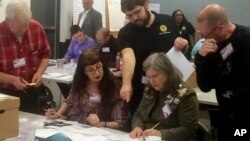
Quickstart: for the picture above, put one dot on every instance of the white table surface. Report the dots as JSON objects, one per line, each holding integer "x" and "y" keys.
{"x": 208, "y": 98}
{"x": 26, "y": 119}
{"x": 65, "y": 74}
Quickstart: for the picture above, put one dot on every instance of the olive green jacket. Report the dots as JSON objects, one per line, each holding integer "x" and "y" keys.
{"x": 180, "y": 125}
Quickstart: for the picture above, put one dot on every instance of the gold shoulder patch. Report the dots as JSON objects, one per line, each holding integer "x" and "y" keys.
{"x": 163, "y": 28}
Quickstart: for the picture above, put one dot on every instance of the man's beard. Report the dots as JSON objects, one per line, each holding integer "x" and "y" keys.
{"x": 145, "y": 21}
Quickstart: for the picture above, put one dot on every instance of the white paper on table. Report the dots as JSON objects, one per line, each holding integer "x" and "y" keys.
{"x": 180, "y": 61}
{"x": 128, "y": 138}
{"x": 54, "y": 75}
{"x": 95, "y": 138}
{"x": 75, "y": 136}
{"x": 95, "y": 130}
{"x": 45, "y": 133}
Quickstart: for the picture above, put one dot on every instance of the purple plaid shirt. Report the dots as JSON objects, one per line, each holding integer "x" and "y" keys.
{"x": 80, "y": 109}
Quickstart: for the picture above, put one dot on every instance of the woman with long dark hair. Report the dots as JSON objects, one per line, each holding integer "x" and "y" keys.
{"x": 185, "y": 28}
{"x": 94, "y": 96}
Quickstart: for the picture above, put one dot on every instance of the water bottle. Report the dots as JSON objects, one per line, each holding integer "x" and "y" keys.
{"x": 117, "y": 62}
{"x": 72, "y": 63}
{"x": 72, "y": 67}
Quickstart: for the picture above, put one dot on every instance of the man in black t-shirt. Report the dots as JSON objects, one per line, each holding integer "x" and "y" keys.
{"x": 223, "y": 63}
{"x": 146, "y": 32}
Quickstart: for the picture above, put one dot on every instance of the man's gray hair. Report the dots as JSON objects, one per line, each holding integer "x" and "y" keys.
{"x": 18, "y": 10}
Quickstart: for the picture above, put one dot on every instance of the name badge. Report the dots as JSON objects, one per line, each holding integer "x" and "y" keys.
{"x": 105, "y": 49}
{"x": 166, "y": 110}
{"x": 19, "y": 63}
{"x": 95, "y": 98}
{"x": 228, "y": 50}
{"x": 144, "y": 80}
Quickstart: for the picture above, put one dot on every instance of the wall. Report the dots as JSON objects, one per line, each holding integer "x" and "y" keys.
{"x": 65, "y": 19}
{"x": 237, "y": 9}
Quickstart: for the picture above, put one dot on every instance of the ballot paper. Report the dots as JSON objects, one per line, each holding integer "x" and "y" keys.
{"x": 180, "y": 61}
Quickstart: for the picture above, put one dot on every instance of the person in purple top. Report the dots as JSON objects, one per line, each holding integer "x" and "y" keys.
{"x": 78, "y": 44}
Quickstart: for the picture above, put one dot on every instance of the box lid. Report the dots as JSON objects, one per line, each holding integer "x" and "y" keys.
{"x": 8, "y": 102}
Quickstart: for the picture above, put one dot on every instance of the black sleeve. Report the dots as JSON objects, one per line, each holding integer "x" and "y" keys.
{"x": 205, "y": 72}
{"x": 124, "y": 38}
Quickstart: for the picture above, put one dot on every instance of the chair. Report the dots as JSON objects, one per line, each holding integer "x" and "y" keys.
{"x": 202, "y": 133}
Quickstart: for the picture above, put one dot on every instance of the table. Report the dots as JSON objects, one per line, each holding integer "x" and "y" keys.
{"x": 65, "y": 74}
{"x": 28, "y": 119}
{"x": 208, "y": 98}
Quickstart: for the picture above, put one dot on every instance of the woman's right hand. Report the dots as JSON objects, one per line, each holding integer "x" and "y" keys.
{"x": 50, "y": 113}
{"x": 136, "y": 133}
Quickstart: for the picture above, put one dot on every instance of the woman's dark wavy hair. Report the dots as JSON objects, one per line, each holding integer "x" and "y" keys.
{"x": 131, "y": 4}
{"x": 184, "y": 18}
{"x": 108, "y": 86}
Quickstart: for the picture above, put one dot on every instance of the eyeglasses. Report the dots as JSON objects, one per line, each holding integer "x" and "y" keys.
{"x": 210, "y": 33}
{"x": 92, "y": 70}
{"x": 134, "y": 13}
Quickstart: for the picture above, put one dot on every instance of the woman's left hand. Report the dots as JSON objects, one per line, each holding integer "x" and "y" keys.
{"x": 151, "y": 132}
{"x": 93, "y": 120}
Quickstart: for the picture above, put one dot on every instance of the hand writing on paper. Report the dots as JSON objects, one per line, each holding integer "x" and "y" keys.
{"x": 151, "y": 132}
{"x": 93, "y": 120}
{"x": 50, "y": 113}
{"x": 136, "y": 132}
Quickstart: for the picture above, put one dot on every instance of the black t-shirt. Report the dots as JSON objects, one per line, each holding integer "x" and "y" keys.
{"x": 186, "y": 30}
{"x": 231, "y": 73}
{"x": 159, "y": 37}
{"x": 109, "y": 51}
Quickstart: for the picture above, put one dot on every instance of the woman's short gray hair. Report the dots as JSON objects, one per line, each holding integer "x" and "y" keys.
{"x": 18, "y": 10}
{"x": 161, "y": 63}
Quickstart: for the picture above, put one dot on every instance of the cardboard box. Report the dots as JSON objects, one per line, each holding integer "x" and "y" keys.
{"x": 191, "y": 81}
{"x": 9, "y": 121}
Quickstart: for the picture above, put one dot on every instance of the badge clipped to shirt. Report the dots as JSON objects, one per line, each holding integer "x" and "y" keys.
{"x": 105, "y": 49}
{"x": 17, "y": 63}
{"x": 228, "y": 50}
{"x": 95, "y": 98}
{"x": 144, "y": 80}
{"x": 166, "y": 110}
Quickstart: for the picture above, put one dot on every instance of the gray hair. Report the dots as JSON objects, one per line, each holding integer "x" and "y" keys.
{"x": 18, "y": 10}
{"x": 161, "y": 63}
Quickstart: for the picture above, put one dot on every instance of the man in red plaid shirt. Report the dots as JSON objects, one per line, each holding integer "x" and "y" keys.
{"x": 24, "y": 51}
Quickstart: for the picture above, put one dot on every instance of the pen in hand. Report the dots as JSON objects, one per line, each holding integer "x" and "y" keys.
{"x": 54, "y": 113}
{"x": 151, "y": 128}
{"x": 155, "y": 125}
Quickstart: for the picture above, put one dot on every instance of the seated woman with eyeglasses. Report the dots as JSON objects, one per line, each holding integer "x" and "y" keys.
{"x": 94, "y": 97}
{"x": 169, "y": 108}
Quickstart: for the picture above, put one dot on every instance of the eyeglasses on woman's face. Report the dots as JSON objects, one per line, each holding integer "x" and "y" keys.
{"x": 92, "y": 69}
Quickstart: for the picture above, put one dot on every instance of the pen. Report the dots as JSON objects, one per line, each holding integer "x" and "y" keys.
{"x": 153, "y": 128}
{"x": 55, "y": 113}
{"x": 155, "y": 125}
